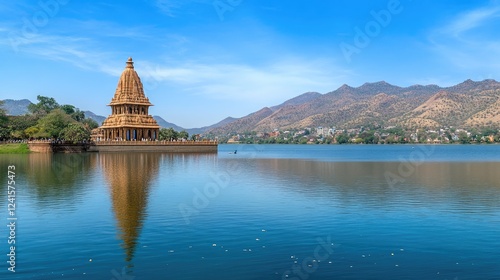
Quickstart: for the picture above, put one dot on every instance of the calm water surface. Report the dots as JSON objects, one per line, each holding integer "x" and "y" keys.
{"x": 266, "y": 212}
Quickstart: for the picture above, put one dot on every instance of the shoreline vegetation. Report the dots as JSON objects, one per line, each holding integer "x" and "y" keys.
{"x": 14, "y": 148}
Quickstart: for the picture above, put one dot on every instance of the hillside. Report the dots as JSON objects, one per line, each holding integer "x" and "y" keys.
{"x": 468, "y": 104}
{"x": 204, "y": 129}
{"x": 99, "y": 119}
{"x": 164, "y": 124}
{"x": 244, "y": 124}
{"x": 16, "y": 107}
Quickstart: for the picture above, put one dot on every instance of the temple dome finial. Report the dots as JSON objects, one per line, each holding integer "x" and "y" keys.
{"x": 130, "y": 63}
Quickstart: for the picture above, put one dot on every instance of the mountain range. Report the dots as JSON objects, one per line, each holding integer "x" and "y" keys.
{"x": 468, "y": 104}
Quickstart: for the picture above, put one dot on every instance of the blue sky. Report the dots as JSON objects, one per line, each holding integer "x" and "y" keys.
{"x": 201, "y": 61}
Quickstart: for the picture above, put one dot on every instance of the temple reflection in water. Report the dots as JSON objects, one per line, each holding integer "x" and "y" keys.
{"x": 129, "y": 177}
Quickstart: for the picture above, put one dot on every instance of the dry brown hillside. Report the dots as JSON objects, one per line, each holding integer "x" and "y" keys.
{"x": 465, "y": 105}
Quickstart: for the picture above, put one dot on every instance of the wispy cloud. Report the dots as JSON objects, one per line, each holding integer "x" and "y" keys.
{"x": 173, "y": 8}
{"x": 78, "y": 51}
{"x": 470, "y": 41}
{"x": 471, "y": 20}
{"x": 242, "y": 82}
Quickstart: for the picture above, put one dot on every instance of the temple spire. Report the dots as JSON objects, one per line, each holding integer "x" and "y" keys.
{"x": 130, "y": 63}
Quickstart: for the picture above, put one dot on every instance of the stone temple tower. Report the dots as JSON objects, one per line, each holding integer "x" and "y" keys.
{"x": 129, "y": 119}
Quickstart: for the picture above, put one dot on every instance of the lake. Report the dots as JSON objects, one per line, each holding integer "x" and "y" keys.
{"x": 266, "y": 212}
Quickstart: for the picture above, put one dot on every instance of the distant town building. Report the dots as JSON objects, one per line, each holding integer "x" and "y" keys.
{"x": 320, "y": 131}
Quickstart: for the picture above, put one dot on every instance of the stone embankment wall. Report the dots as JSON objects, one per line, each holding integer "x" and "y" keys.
{"x": 40, "y": 147}
{"x": 155, "y": 148}
{"x": 48, "y": 147}
{"x": 168, "y": 147}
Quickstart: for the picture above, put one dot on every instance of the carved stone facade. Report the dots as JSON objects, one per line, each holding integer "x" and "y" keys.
{"x": 129, "y": 119}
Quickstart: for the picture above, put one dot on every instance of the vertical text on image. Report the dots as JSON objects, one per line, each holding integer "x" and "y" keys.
{"x": 12, "y": 219}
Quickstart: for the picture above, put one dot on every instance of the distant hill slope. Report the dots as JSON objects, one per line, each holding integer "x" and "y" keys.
{"x": 244, "y": 124}
{"x": 467, "y": 104}
{"x": 204, "y": 129}
{"x": 164, "y": 124}
{"x": 99, "y": 119}
{"x": 301, "y": 99}
{"x": 16, "y": 107}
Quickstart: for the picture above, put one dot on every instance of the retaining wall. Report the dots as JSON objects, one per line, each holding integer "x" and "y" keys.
{"x": 155, "y": 148}
{"x": 168, "y": 147}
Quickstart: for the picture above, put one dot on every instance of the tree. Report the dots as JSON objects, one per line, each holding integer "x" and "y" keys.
{"x": 3, "y": 115}
{"x": 183, "y": 134}
{"x": 52, "y": 124}
{"x": 464, "y": 138}
{"x": 44, "y": 106}
{"x": 18, "y": 124}
{"x": 68, "y": 109}
{"x": 4, "y": 131}
{"x": 74, "y": 112}
{"x": 168, "y": 134}
{"x": 89, "y": 124}
{"x": 74, "y": 132}
{"x": 342, "y": 139}
{"x": 32, "y": 131}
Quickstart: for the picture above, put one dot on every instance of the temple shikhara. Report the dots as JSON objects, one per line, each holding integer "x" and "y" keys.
{"x": 129, "y": 119}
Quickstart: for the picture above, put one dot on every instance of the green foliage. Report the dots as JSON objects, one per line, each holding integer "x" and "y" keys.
{"x": 14, "y": 148}
{"x": 68, "y": 109}
{"x": 303, "y": 140}
{"x": 487, "y": 131}
{"x": 74, "y": 112}
{"x": 44, "y": 106}
{"x": 32, "y": 131}
{"x": 4, "y": 131}
{"x": 3, "y": 116}
{"x": 342, "y": 139}
{"x": 75, "y": 132}
{"x": 168, "y": 134}
{"x": 51, "y": 125}
{"x": 463, "y": 138}
{"x": 89, "y": 124}
{"x": 368, "y": 137}
{"x": 183, "y": 135}
{"x": 18, "y": 124}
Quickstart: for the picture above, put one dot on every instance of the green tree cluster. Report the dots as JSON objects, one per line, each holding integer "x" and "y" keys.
{"x": 47, "y": 119}
{"x": 169, "y": 134}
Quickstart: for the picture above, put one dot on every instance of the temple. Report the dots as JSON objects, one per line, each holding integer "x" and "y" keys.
{"x": 129, "y": 119}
